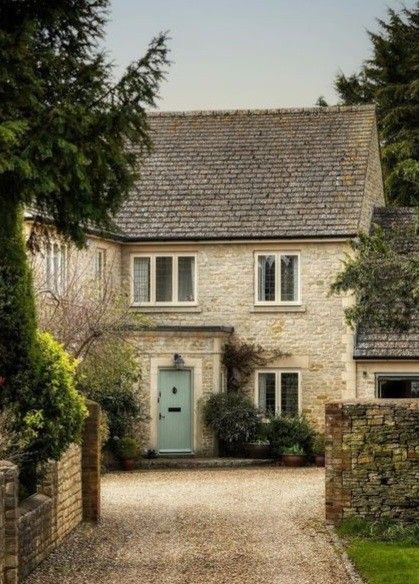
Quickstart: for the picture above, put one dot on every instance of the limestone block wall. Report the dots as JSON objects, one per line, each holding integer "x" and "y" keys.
{"x": 48, "y": 516}
{"x": 372, "y": 456}
{"x": 314, "y": 334}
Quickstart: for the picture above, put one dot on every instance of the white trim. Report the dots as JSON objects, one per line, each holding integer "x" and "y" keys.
{"x": 277, "y": 254}
{"x": 278, "y": 387}
{"x": 175, "y": 273}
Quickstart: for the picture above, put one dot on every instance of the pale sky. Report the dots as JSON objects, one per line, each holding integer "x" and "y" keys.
{"x": 247, "y": 53}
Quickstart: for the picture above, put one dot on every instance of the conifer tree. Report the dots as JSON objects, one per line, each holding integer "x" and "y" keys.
{"x": 64, "y": 128}
{"x": 390, "y": 79}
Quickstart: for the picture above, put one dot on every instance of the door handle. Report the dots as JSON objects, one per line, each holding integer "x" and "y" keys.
{"x": 161, "y": 417}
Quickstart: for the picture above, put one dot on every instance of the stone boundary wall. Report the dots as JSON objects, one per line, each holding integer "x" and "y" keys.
{"x": 372, "y": 455}
{"x": 29, "y": 531}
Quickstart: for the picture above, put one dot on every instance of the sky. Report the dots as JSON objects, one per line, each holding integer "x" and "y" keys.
{"x": 232, "y": 54}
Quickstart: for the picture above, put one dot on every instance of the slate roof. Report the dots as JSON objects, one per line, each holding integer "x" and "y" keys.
{"x": 293, "y": 173}
{"x": 380, "y": 344}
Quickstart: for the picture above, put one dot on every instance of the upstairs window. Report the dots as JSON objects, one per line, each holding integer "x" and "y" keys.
{"x": 164, "y": 279}
{"x": 278, "y": 392}
{"x": 277, "y": 278}
{"x": 56, "y": 267}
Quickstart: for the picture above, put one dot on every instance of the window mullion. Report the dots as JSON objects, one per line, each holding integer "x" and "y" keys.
{"x": 153, "y": 279}
{"x": 174, "y": 279}
{"x": 278, "y": 278}
{"x": 278, "y": 393}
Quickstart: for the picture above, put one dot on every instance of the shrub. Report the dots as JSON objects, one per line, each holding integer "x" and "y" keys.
{"x": 126, "y": 448}
{"x": 294, "y": 450}
{"x": 232, "y": 416}
{"x": 109, "y": 375}
{"x": 319, "y": 444}
{"x": 53, "y": 416}
{"x": 285, "y": 432}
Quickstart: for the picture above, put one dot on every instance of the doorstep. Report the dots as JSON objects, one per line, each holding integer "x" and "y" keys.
{"x": 195, "y": 462}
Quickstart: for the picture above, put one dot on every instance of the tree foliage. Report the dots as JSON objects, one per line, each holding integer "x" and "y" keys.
{"x": 64, "y": 121}
{"x": 384, "y": 277}
{"x": 389, "y": 78}
{"x": 71, "y": 138}
{"x": 109, "y": 375}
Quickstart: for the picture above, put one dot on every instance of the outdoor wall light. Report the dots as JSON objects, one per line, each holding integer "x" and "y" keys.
{"x": 178, "y": 361}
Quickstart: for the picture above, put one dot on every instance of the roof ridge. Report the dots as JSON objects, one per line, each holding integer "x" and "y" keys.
{"x": 266, "y": 111}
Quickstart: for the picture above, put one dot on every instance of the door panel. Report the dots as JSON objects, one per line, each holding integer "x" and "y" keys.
{"x": 175, "y": 410}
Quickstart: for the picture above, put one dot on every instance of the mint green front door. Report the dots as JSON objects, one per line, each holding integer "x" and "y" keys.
{"x": 175, "y": 410}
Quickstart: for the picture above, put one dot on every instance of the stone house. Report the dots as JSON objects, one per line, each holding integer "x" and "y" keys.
{"x": 235, "y": 230}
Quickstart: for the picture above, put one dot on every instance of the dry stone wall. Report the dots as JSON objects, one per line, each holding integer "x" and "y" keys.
{"x": 372, "y": 460}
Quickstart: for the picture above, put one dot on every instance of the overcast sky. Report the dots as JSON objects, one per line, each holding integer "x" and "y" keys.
{"x": 230, "y": 54}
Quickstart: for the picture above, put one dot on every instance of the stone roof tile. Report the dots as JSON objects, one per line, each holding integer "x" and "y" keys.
{"x": 252, "y": 174}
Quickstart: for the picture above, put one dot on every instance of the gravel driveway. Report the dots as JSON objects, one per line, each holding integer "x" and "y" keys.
{"x": 255, "y": 525}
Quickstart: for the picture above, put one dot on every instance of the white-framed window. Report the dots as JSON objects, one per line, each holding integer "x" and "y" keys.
{"x": 100, "y": 267}
{"x": 278, "y": 391}
{"x": 56, "y": 267}
{"x": 277, "y": 278}
{"x": 164, "y": 279}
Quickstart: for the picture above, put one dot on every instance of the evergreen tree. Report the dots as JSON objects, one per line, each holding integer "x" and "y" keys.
{"x": 64, "y": 129}
{"x": 390, "y": 80}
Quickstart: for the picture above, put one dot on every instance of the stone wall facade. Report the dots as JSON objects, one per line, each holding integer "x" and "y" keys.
{"x": 313, "y": 335}
{"x": 372, "y": 456}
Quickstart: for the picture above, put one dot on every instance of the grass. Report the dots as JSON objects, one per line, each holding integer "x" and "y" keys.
{"x": 385, "y": 563}
{"x": 383, "y": 552}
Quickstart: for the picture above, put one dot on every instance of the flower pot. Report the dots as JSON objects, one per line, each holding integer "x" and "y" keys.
{"x": 128, "y": 463}
{"x": 319, "y": 459}
{"x": 293, "y": 460}
{"x": 258, "y": 451}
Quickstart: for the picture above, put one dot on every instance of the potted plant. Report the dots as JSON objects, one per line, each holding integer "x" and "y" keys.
{"x": 319, "y": 448}
{"x": 259, "y": 448}
{"x": 127, "y": 450}
{"x": 293, "y": 456}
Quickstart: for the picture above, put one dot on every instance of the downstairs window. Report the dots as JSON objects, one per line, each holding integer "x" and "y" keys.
{"x": 278, "y": 392}
{"x": 397, "y": 386}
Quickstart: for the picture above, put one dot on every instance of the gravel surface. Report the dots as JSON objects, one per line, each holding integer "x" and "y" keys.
{"x": 250, "y": 525}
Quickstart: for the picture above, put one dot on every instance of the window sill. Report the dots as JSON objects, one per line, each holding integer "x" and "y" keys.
{"x": 167, "y": 309}
{"x": 282, "y": 308}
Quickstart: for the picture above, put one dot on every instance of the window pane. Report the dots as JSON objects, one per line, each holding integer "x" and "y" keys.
{"x": 141, "y": 278}
{"x": 266, "y": 278}
{"x": 289, "y": 394}
{"x": 164, "y": 279}
{"x": 267, "y": 399}
{"x": 289, "y": 278}
{"x": 398, "y": 387}
{"x": 186, "y": 279}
